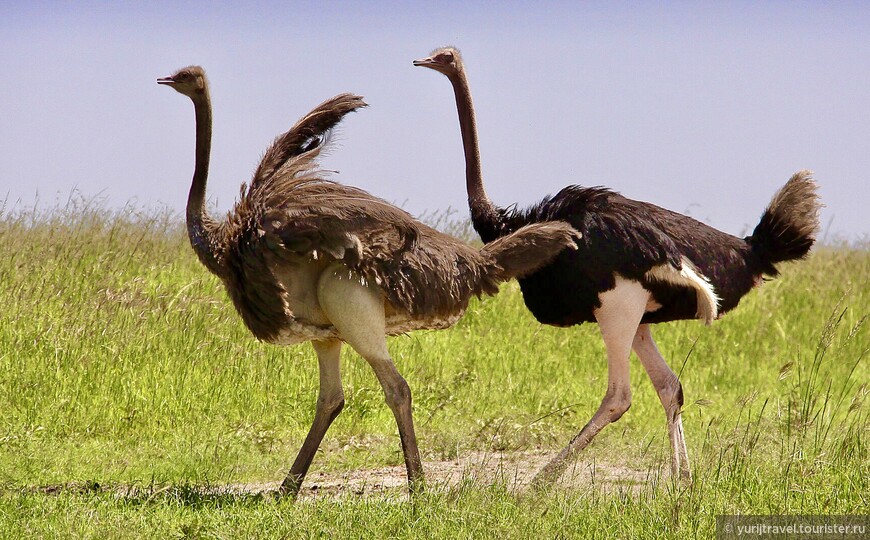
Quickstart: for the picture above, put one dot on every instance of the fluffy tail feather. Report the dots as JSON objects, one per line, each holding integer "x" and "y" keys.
{"x": 788, "y": 227}
{"x": 528, "y": 249}
{"x": 309, "y": 133}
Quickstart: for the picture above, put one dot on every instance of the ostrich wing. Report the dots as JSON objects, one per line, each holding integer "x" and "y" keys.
{"x": 645, "y": 242}
{"x": 304, "y": 217}
{"x": 307, "y": 135}
{"x": 308, "y": 213}
{"x": 314, "y": 215}
{"x": 418, "y": 269}
{"x": 293, "y": 211}
{"x": 618, "y": 233}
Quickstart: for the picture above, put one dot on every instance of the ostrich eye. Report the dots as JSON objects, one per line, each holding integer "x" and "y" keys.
{"x": 447, "y": 57}
{"x": 183, "y": 77}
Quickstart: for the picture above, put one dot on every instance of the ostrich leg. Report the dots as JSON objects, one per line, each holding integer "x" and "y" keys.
{"x": 670, "y": 393}
{"x": 357, "y": 312}
{"x": 330, "y": 401}
{"x": 618, "y": 318}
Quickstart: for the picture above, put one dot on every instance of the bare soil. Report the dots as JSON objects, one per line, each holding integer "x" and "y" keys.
{"x": 514, "y": 470}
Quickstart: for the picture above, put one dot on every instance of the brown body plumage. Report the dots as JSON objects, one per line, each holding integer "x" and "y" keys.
{"x": 308, "y": 259}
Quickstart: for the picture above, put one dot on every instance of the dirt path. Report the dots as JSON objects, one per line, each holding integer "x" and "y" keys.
{"x": 515, "y": 470}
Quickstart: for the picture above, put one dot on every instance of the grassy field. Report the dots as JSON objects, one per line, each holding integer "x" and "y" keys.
{"x": 133, "y": 404}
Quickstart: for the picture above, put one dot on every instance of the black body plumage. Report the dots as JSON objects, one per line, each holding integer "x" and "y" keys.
{"x": 627, "y": 237}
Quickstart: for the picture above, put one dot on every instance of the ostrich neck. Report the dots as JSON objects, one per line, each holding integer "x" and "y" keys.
{"x": 201, "y": 229}
{"x": 483, "y": 212}
{"x": 196, "y": 197}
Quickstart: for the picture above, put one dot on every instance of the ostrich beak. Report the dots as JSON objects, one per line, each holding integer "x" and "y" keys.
{"x": 425, "y": 62}
{"x": 166, "y": 80}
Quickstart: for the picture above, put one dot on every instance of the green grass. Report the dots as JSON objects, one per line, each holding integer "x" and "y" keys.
{"x": 129, "y": 387}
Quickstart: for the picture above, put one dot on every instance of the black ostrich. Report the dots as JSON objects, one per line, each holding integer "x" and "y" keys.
{"x": 636, "y": 264}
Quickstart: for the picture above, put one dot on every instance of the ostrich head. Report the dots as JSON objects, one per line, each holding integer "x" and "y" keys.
{"x": 188, "y": 81}
{"x": 446, "y": 60}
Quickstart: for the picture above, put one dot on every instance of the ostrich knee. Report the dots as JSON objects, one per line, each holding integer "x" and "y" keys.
{"x": 330, "y": 405}
{"x": 677, "y": 398}
{"x": 671, "y": 396}
{"x": 397, "y": 394}
{"x": 616, "y": 403}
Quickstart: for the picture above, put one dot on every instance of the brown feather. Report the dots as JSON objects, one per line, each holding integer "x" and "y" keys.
{"x": 304, "y": 135}
{"x": 419, "y": 270}
{"x": 280, "y": 250}
{"x": 291, "y": 214}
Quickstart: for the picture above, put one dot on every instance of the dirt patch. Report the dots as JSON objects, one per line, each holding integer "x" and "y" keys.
{"x": 514, "y": 470}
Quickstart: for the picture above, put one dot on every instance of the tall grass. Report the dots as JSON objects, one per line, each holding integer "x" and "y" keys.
{"x": 124, "y": 370}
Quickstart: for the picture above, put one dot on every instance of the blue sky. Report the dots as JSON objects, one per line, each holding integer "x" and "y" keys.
{"x": 703, "y": 108}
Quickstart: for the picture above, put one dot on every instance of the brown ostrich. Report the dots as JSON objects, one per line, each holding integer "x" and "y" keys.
{"x": 636, "y": 264}
{"x": 308, "y": 259}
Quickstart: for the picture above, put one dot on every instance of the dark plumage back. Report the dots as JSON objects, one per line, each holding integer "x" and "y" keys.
{"x": 290, "y": 212}
{"x": 627, "y": 237}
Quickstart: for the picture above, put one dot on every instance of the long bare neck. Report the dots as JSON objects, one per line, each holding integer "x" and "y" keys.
{"x": 484, "y": 214}
{"x": 201, "y": 228}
